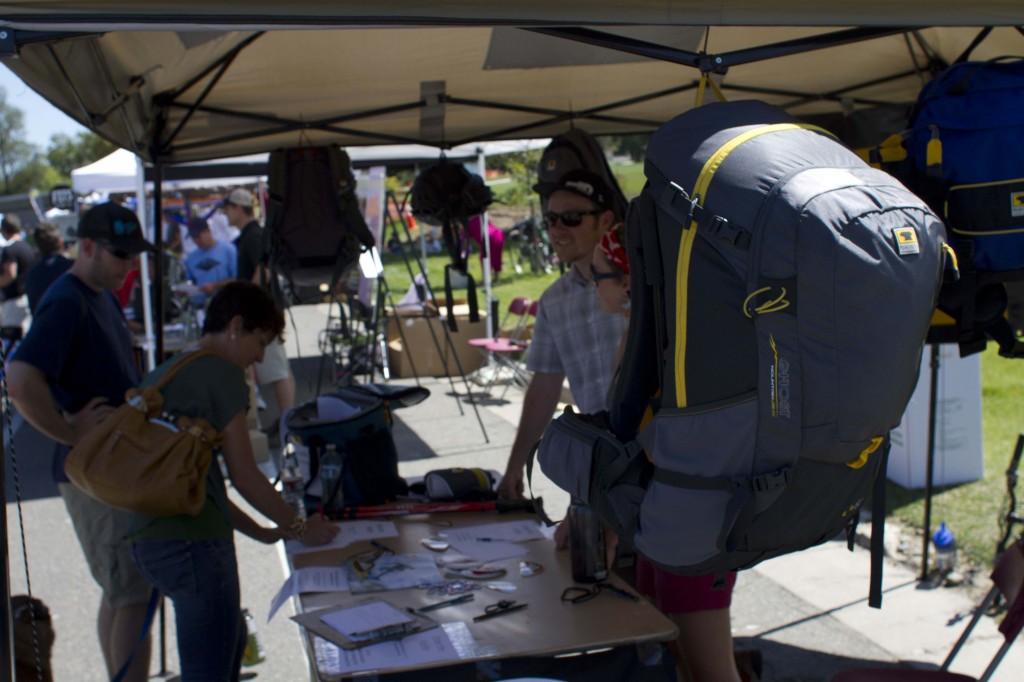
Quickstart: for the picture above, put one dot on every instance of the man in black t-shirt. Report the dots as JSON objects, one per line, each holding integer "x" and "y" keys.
{"x": 70, "y": 372}
{"x": 17, "y": 259}
{"x": 275, "y": 368}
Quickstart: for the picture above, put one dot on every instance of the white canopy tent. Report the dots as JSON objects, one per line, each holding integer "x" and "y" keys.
{"x": 189, "y": 80}
{"x": 116, "y": 172}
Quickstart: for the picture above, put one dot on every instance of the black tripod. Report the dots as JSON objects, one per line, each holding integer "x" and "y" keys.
{"x": 427, "y": 303}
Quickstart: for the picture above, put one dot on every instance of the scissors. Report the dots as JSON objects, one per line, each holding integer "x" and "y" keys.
{"x": 499, "y": 609}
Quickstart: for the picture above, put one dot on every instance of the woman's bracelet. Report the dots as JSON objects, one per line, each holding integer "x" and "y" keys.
{"x": 297, "y": 528}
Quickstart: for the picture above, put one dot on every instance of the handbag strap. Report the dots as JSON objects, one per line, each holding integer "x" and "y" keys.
{"x": 179, "y": 365}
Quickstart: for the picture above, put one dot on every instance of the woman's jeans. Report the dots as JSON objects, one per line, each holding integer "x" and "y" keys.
{"x": 201, "y": 579}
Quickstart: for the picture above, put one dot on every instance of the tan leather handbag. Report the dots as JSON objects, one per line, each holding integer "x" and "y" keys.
{"x": 139, "y": 461}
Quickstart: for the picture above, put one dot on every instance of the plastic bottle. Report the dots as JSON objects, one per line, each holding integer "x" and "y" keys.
{"x": 293, "y": 486}
{"x": 586, "y": 544}
{"x": 254, "y": 651}
{"x": 331, "y": 466}
{"x": 945, "y": 549}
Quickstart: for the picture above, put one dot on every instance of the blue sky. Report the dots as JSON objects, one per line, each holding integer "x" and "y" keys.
{"x": 42, "y": 119}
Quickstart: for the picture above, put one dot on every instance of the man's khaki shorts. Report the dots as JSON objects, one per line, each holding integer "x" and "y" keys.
{"x": 274, "y": 367}
{"x": 101, "y": 531}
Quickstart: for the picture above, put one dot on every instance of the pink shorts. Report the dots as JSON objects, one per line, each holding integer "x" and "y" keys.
{"x": 673, "y": 593}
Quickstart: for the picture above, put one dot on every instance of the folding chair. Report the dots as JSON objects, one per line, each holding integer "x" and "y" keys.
{"x": 506, "y": 349}
{"x": 1008, "y": 580}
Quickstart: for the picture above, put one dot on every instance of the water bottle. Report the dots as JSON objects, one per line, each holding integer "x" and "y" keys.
{"x": 254, "y": 651}
{"x": 586, "y": 544}
{"x": 293, "y": 487}
{"x": 331, "y": 494}
{"x": 945, "y": 549}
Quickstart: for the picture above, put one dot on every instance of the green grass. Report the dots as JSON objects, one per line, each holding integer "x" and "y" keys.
{"x": 973, "y": 510}
{"x": 631, "y": 178}
{"x": 508, "y": 286}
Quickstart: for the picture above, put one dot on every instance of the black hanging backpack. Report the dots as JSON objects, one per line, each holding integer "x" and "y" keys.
{"x": 578, "y": 149}
{"x": 315, "y": 231}
{"x": 447, "y": 195}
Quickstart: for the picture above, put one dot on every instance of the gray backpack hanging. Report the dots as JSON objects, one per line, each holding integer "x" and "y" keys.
{"x": 782, "y": 291}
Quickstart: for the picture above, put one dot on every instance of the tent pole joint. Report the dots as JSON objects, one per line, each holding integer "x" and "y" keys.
{"x": 712, "y": 63}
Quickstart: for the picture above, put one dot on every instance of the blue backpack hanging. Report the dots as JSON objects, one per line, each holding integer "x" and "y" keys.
{"x": 963, "y": 157}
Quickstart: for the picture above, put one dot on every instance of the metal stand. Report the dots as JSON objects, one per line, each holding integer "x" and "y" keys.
{"x": 431, "y": 311}
{"x": 933, "y": 399}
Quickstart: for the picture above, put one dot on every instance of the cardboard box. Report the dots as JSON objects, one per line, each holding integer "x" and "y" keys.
{"x": 959, "y": 456}
{"x": 416, "y": 328}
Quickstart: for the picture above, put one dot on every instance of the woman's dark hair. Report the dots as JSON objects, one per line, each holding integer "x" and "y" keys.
{"x": 253, "y": 303}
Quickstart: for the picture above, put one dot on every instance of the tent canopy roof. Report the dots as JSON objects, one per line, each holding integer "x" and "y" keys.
{"x": 270, "y": 14}
{"x": 185, "y": 80}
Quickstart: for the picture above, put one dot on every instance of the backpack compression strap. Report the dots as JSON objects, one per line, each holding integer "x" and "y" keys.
{"x": 688, "y": 209}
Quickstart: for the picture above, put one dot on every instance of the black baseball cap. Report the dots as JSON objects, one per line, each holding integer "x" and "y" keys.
{"x": 582, "y": 182}
{"x": 113, "y": 225}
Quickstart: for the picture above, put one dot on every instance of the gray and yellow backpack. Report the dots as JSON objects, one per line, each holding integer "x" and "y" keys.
{"x": 781, "y": 294}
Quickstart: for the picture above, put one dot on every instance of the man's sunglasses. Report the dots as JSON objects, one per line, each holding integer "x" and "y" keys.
{"x": 568, "y": 218}
{"x": 117, "y": 253}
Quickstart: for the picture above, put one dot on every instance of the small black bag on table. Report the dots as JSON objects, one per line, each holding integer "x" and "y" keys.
{"x": 357, "y": 421}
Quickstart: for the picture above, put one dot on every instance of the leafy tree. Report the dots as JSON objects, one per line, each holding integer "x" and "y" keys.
{"x": 16, "y": 152}
{"x": 36, "y": 174}
{"x": 522, "y": 169}
{"x": 634, "y": 146}
{"x": 67, "y": 153}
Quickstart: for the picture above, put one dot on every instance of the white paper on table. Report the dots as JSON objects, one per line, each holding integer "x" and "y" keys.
{"x": 351, "y": 531}
{"x": 309, "y": 579}
{"x": 511, "y": 531}
{"x": 355, "y": 622}
{"x": 493, "y": 541}
{"x": 486, "y": 551}
{"x": 428, "y": 646}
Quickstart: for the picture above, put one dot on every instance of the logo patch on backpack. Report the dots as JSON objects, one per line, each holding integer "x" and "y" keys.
{"x": 906, "y": 241}
{"x": 1017, "y": 204}
{"x": 778, "y": 380}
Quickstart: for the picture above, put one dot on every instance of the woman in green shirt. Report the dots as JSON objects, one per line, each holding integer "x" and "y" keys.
{"x": 191, "y": 559}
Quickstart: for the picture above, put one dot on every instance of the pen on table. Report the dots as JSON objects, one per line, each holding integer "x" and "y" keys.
{"x": 448, "y": 602}
{"x": 499, "y": 612}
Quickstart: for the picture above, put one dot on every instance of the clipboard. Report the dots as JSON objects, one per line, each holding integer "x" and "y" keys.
{"x": 313, "y": 621}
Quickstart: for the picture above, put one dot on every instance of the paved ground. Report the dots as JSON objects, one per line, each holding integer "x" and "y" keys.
{"x": 807, "y": 612}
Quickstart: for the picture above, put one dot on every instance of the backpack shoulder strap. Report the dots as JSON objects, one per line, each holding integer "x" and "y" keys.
{"x": 639, "y": 375}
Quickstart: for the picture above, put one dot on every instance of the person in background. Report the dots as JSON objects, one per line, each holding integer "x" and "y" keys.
{"x": 252, "y": 260}
{"x": 70, "y": 372}
{"x": 704, "y": 647}
{"x": 53, "y": 262}
{"x": 212, "y": 265}
{"x": 191, "y": 559}
{"x": 17, "y": 259}
{"x": 573, "y": 336}
{"x": 222, "y": 230}
{"x": 497, "y": 242}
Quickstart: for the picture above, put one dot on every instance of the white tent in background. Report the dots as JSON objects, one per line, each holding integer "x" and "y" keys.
{"x": 116, "y": 171}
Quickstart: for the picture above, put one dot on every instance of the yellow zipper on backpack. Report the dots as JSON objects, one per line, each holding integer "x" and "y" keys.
{"x": 699, "y": 195}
